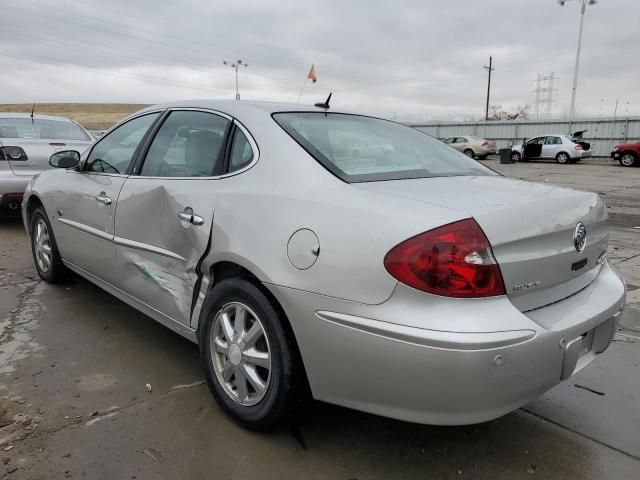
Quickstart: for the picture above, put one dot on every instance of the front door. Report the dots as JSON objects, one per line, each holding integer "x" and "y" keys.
{"x": 165, "y": 211}
{"x": 533, "y": 148}
{"x": 84, "y": 211}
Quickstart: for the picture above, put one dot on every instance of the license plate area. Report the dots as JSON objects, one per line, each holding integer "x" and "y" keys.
{"x": 581, "y": 350}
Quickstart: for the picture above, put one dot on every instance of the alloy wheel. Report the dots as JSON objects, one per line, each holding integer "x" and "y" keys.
{"x": 628, "y": 160}
{"x": 42, "y": 245}
{"x": 241, "y": 353}
{"x": 563, "y": 158}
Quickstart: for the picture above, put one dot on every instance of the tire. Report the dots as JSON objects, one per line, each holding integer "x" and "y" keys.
{"x": 283, "y": 381}
{"x": 563, "y": 158}
{"x": 516, "y": 157}
{"x": 44, "y": 249}
{"x": 482, "y": 157}
{"x": 469, "y": 153}
{"x": 628, "y": 159}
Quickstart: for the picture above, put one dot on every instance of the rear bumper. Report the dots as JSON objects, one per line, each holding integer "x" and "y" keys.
{"x": 584, "y": 154}
{"x": 395, "y": 360}
{"x": 11, "y": 191}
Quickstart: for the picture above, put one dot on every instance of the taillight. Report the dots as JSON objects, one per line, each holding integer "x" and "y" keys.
{"x": 13, "y": 153}
{"x": 454, "y": 261}
{"x": 485, "y": 143}
{"x": 578, "y": 146}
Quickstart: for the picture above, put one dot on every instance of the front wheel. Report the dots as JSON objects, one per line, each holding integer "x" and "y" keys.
{"x": 628, "y": 160}
{"x": 45, "y": 250}
{"x": 249, "y": 356}
{"x": 563, "y": 158}
{"x": 469, "y": 153}
{"x": 516, "y": 157}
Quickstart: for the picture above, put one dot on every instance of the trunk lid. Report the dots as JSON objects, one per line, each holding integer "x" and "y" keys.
{"x": 38, "y": 152}
{"x": 531, "y": 227}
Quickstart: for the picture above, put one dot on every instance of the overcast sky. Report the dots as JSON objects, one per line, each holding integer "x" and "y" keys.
{"x": 408, "y": 59}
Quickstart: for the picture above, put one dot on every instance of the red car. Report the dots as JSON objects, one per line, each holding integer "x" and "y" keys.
{"x": 628, "y": 154}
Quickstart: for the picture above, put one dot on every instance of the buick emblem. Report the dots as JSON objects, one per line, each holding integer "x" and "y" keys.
{"x": 580, "y": 237}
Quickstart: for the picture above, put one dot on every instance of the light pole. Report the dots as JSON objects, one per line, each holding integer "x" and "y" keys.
{"x": 583, "y": 8}
{"x": 235, "y": 66}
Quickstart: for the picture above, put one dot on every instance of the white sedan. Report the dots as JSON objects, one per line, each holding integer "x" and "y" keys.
{"x": 561, "y": 148}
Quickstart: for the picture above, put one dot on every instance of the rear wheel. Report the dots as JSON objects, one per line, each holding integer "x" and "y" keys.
{"x": 563, "y": 158}
{"x": 248, "y": 355}
{"x": 628, "y": 160}
{"x": 482, "y": 157}
{"x": 469, "y": 153}
{"x": 45, "y": 250}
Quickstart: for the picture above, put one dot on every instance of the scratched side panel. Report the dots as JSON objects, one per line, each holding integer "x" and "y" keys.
{"x": 157, "y": 254}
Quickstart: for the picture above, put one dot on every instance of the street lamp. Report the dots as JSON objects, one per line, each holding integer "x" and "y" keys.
{"x": 583, "y": 8}
{"x": 235, "y": 66}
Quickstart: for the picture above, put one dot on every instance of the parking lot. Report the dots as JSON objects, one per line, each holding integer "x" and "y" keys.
{"x": 75, "y": 364}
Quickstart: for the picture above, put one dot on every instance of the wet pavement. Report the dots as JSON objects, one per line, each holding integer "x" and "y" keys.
{"x": 74, "y": 364}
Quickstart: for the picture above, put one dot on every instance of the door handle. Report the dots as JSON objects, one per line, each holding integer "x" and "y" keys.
{"x": 103, "y": 199}
{"x": 187, "y": 215}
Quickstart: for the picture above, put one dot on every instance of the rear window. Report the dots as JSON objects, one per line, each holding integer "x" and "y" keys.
{"x": 365, "y": 149}
{"x": 41, "y": 129}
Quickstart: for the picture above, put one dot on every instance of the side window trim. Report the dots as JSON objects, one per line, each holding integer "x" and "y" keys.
{"x": 87, "y": 153}
{"x": 142, "y": 155}
{"x": 254, "y": 147}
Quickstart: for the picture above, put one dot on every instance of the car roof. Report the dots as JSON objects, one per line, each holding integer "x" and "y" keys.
{"x": 237, "y": 108}
{"x": 35, "y": 116}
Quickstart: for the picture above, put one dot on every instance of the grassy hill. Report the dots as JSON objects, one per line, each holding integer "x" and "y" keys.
{"x": 93, "y": 116}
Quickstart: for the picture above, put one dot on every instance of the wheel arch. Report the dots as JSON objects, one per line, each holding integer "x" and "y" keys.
{"x": 33, "y": 202}
{"x": 226, "y": 269}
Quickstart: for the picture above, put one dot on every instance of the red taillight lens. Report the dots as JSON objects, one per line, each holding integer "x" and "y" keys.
{"x": 485, "y": 143}
{"x": 454, "y": 261}
{"x": 578, "y": 146}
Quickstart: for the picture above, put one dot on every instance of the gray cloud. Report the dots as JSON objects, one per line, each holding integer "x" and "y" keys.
{"x": 415, "y": 60}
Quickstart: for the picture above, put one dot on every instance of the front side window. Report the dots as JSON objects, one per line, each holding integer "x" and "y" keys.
{"x": 114, "y": 152}
{"x": 536, "y": 141}
{"x": 362, "y": 149}
{"x": 188, "y": 144}
{"x": 44, "y": 129}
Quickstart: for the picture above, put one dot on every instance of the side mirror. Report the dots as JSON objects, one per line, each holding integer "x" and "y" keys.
{"x": 65, "y": 159}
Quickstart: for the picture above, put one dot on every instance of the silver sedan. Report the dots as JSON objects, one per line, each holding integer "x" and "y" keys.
{"x": 561, "y": 148}
{"x": 26, "y": 143}
{"x": 408, "y": 281}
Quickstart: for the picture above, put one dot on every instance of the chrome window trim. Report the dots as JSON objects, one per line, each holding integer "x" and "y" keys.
{"x": 87, "y": 153}
{"x": 245, "y": 131}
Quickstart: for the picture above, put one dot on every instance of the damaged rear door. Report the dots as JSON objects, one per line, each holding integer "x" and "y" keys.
{"x": 166, "y": 208}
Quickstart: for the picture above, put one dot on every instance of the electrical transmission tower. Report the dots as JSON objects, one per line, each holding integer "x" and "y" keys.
{"x": 544, "y": 93}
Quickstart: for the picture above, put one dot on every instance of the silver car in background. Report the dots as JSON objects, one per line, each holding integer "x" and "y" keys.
{"x": 26, "y": 143}
{"x": 561, "y": 148}
{"x": 409, "y": 281}
{"x": 472, "y": 146}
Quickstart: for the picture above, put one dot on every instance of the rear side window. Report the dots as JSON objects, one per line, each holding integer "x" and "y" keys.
{"x": 362, "y": 149}
{"x": 241, "y": 152}
{"x": 188, "y": 144}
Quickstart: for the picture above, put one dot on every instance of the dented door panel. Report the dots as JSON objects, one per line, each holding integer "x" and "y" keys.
{"x": 157, "y": 252}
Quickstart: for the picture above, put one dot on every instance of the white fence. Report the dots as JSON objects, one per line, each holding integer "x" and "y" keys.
{"x": 602, "y": 133}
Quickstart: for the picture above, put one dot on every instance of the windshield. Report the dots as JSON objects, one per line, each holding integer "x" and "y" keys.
{"x": 41, "y": 129}
{"x": 365, "y": 149}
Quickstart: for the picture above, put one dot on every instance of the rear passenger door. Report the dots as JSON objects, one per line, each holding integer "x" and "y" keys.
{"x": 166, "y": 210}
{"x": 552, "y": 146}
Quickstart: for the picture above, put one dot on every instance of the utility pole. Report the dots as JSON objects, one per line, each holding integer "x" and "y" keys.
{"x": 489, "y": 69}
{"x": 583, "y": 8}
{"x": 235, "y": 66}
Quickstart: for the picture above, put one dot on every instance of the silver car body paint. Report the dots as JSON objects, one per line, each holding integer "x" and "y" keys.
{"x": 367, "y": 342}
{"x": 550, "y": 151}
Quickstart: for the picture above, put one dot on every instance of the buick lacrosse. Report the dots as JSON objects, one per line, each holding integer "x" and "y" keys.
{"x": 407, "y": 280}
